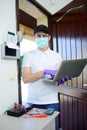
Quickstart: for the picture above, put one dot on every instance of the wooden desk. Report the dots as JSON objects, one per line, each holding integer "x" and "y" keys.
{"x": 22, "y": 123}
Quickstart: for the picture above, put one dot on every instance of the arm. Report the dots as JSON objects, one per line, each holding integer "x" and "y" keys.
{"x": 31, "y": 77}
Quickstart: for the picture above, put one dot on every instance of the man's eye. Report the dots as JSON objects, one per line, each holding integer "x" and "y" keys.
{"x": 43, "y": 35}
{"x": 39, "y": 35}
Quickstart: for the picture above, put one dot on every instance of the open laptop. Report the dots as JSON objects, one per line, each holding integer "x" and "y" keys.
{"x": 71, "y": 68}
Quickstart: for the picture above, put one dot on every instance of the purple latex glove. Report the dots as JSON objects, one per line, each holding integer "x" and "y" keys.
{"x": 50, "y": 72}
{"x": 63, "y": 80}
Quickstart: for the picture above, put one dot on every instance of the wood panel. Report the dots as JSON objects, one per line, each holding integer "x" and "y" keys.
{"x": 85, "y": 115}
{"x": 70, "y": 38}
{"x": 73, "y": 113}
{"x": 26, "y": 19}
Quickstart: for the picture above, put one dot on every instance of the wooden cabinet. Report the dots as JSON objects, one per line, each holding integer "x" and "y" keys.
{"x": 73, "y": 109}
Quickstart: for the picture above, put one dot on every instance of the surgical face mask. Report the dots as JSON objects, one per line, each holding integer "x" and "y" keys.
{"x": 41, "y": 42}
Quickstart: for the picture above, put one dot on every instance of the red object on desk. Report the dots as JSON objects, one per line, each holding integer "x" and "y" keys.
{"x": 36, "y": 115}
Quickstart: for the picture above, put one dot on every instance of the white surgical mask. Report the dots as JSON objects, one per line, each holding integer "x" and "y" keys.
{"x": 41, "y": 42}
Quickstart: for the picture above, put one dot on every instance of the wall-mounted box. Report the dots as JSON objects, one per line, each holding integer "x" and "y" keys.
{"x": 9, "y": 53}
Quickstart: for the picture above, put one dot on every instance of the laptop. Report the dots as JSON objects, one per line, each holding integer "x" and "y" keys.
{"x": 70, "y": 68}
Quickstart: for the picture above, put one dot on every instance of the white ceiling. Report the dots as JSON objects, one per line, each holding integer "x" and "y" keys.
{"x": 53, "y": 6}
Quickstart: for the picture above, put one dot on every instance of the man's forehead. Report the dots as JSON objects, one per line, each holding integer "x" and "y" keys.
{"x": 41, "y": 32}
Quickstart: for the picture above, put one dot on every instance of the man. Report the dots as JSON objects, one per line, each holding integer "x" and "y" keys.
{"x": 37, "y": 64}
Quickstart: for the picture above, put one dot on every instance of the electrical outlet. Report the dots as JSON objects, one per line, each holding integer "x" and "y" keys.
{"x": 12, "y": 76}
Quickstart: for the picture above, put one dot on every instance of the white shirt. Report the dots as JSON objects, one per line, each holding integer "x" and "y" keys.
{"x": 40, "y": 91}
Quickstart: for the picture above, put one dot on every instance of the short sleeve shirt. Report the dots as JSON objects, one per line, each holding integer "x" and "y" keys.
{"x": 40, "y": 91}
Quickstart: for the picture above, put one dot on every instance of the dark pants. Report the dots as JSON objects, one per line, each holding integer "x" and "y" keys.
{"x": 55, "y": 106}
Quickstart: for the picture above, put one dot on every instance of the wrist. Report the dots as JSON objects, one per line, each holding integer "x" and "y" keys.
{"x": 41, "y": 74}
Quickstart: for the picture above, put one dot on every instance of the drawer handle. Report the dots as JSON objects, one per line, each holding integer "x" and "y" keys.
{"x": 85, "y": 85}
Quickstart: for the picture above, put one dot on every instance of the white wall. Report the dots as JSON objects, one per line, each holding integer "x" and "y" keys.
{"x": 8, "y": 68}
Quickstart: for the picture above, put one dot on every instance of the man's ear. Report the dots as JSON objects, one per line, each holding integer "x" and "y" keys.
{"x": 49, "y": 37}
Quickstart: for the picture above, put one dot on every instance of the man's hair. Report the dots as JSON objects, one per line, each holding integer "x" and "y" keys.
{"x": 41, "y": 28}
